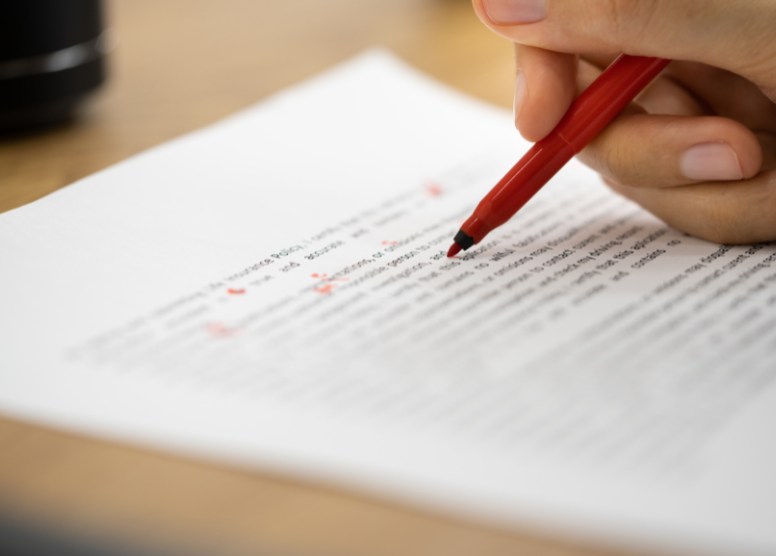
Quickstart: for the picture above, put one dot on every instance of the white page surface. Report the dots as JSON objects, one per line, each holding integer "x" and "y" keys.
{"x": 273, "y": 291}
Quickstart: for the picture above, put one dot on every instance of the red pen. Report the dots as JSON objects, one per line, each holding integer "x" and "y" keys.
{"x": 587, "y": 116}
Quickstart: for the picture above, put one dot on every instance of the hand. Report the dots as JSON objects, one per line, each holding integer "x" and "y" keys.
{"x": 698, "y": 147}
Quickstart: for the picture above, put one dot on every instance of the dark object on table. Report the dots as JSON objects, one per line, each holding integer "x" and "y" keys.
{"x": 51, "y": 57}
{"x": 21, "y": 537}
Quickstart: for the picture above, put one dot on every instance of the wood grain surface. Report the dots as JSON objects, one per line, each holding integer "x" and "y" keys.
{"x": 181, "y": 64}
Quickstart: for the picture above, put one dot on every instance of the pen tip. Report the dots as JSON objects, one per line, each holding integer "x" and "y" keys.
{"x": 454, "y": 250}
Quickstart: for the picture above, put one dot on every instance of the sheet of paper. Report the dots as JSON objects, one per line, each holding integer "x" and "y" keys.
{"x": 273, "y": 291}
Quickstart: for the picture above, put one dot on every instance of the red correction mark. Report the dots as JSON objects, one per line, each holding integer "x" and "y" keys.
{"x": 434, "y": 189}
{"x": 326, "y": 285}
{"x": 220, "y": 330}
{"x": 325, "y": 278}
{"x": 232, "y": 291}
{"x": 387, "y": 242}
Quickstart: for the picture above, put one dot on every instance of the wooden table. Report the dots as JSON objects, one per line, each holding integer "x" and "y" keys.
{"x": 181, "y": 64}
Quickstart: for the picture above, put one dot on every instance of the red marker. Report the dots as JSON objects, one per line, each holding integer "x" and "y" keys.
{"x": 587, "y": 116}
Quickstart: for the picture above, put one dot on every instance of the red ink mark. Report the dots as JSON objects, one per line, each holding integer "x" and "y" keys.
{"x": 220, "y": 330}
{"x": 232, "y": 291}
{"x": 434, "y": 189}
{"x": 325, "y": 289}
{"x": 325, "y": 278}
{"x": 386, "y": 242}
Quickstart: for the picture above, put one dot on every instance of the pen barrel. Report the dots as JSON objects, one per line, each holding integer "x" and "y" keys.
{"x": 516, "y": 188}
{"x": 606, "y": 97}
{"x": 587, "y": 116}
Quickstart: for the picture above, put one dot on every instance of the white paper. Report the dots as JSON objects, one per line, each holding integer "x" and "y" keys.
{"x": 273, "y": 291}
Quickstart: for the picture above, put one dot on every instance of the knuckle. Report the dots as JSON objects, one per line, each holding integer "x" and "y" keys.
{"x": 735, "y": 213}
{"x": 726, "y": 221}
{"x": 614, "y": 157}
{"x": 719, "y": 232}
{"x": 598, "y": 158}
{"x": 626, "y": 21}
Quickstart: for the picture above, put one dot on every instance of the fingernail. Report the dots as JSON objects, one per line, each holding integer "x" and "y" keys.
{"x": 519, "y": 95}
{"x": 515, "y": 11}
{"x": 711, "y": 161}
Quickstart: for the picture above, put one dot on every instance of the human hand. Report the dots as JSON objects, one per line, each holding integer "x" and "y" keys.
{"x": 698, "y": 147}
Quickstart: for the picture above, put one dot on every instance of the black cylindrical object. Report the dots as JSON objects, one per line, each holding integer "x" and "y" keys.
{"x": 51, "y": 57}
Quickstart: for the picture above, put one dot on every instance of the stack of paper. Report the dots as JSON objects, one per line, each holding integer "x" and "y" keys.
{"x": 273, "y": 291}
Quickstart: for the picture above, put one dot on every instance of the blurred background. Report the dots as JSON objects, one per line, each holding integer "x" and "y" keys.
{"x": 172, "y": 66}
{"x": 180, "y": 64}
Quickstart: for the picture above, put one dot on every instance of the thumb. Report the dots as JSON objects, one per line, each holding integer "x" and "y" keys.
{"x": 734, "y": 35}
